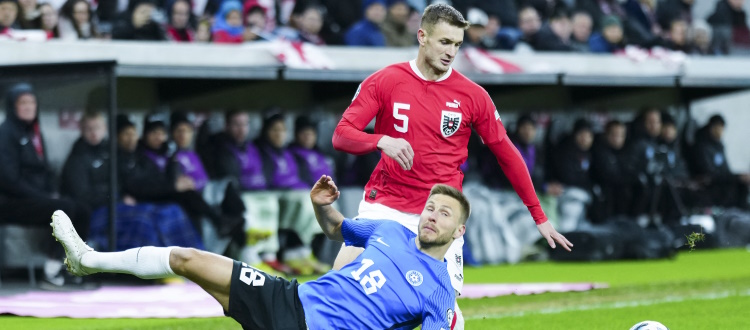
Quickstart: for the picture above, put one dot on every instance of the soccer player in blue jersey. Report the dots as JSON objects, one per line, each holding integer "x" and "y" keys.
{"x": 399, "y": 282}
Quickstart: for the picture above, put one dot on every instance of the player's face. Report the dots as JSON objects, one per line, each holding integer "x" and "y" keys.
{"x": 439, "y": 223}
{"x": 441, "y": 45}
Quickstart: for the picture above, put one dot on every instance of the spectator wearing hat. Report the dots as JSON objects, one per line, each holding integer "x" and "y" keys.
{"x": 581, "y": 35}
{"x": 27, "y": 189}
{"x": 611, "y": 39}
{"x": 367, "y": 31}
{"x": 702, "y": 36}
{"x": 227, "y": 26}
{"x": 138, "y": 23}
{"x": 477, "y": 32}
{"x": 311, "y": 161}
{"x": 256, "y": 23}
{"x": 555, "y": 36}
{"x": 394, "y": 27}
{"x": 8, "y": 15}
{"x": 667, "y": 11}
{"x": 181, "y": 20}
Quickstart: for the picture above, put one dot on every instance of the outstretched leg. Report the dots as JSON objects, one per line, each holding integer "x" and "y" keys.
{"x": 346, "y": 255}
{"x": 212, "y": 272}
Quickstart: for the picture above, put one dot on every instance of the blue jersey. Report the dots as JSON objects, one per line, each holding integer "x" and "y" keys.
{"x": 391, "y": 285}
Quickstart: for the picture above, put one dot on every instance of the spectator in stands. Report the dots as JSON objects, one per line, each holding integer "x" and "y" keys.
{"x": 27, "y": 194}
{"x": 529, "y": 24}
{"x": 678, "y": 37}
{"x": 203, "y": 31}
{"x": 305, "y": 24}
{"x": 278, "y": 162}
{"x": 572, "y": 157}
{"x": 227, "y": 26}
{"x": 667, "y": 11}
{"x": 729, "y": 22}
{"x": 49, "y": 21}
{"x": 600, "y": 9}
{"x": 555, "y": 36}
{"x": 476, "y": 34}
{"x": 678, "y": 188}
{"x": 78, "y": 20}
{"x": 611, "y": 171}
{"x": 255, "y": 23}
{"x": 8, "y": 14}
{"x": 643, "y": 146}
{"x": 611, "y": 39}
{"x": 180, "y": 19}
{"x": 642, "y": 17}
{"x": 29, "y": 17}
{"x": 703, "y": 38}
{"x": 85, "y": 175}
{"x": 394, "y": 28}
{"x": 311, "y": 161}
{"x": 186, "y": 162}
{"x": 710, "y": 166}
{"x": 581, "y": 34}
{"x": 234, "y": 155}
{"x": 340, "y": 16}
{"x": 367, "y": 31}
{"x": 138, "y": 23}
{"x": 506, "y": 11}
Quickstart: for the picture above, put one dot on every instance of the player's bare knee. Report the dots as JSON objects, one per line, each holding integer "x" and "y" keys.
{"x": 179, "y": 258}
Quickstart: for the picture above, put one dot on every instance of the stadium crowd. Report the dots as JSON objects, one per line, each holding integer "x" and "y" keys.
{"x": 184, "y": 183}
{"x": 596, "y": 26}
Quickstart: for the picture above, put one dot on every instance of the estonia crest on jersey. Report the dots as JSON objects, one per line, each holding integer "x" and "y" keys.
{"x": 414, "y": 277}
{"x": 450, "y": 123}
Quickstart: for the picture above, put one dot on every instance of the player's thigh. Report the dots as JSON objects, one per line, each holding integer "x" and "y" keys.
{"x": 455, "y": 258}
{"x": 346, "y": 255}
{"x": 211, "y": 272}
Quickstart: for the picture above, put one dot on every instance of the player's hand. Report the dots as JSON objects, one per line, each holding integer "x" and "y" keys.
{"x": 324, "y": 192}
{"x": 399, "y": 150}
{"x": 551, "y": 235}
{"x": 184, "y": 183}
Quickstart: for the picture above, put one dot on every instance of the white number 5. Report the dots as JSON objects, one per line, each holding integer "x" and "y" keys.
{"x": 401, "y": 106}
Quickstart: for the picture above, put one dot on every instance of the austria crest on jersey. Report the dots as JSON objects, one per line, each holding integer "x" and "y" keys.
{"x": 450, "y": 123}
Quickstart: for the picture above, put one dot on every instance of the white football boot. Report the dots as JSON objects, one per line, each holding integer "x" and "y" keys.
{"x": 75, "y": 248}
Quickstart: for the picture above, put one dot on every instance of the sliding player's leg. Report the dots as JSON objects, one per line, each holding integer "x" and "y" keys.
{"x": 212, "y": 272}
{"x": 346, "y": 255}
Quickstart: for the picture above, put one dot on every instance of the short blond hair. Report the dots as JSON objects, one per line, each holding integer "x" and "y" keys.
{"x": 439, "y": 12}
{"x": 442, "y": 189}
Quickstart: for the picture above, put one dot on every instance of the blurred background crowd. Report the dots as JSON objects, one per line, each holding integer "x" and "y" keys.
{"x": 596, "y": 26}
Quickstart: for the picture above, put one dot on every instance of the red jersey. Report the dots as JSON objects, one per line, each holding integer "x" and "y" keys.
{"x": 435, "y": 117}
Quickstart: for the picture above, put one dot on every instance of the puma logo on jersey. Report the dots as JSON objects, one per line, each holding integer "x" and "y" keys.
{"x": 455, "y": 104}
{"x": 380, "y": 240}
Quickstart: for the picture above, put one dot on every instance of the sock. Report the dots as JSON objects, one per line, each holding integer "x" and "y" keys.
{"x": 146, "y": 262}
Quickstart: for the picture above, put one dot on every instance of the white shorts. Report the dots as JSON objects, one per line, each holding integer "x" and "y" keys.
{"x": 455, "y": 254}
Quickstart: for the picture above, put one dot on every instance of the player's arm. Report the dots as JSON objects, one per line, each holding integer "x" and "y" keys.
{"x": 322, "y": 195}
{"x": 350, "y": 137}
{"x": 490, "y": 128}
{"x": 438, "y": 310}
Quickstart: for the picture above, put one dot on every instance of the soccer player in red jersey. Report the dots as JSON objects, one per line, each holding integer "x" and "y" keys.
{"x": 424, "y": 113}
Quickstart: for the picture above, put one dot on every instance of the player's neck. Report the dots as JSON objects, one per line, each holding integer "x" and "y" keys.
{"x": 436, "y": 251}
{"x": 428, "y": 71}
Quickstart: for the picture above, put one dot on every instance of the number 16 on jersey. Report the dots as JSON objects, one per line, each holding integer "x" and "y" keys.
{"x": 374, "y": 280}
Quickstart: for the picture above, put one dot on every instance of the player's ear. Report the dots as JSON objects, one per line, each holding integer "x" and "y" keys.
{"x": 421, "y": 34}
{"x": 460, "y": 231}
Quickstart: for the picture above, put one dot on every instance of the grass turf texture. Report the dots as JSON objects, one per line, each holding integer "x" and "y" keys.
{"x": 696, "y": 290}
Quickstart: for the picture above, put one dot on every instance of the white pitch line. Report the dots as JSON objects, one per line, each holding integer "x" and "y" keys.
{"x": 616, "y": 305}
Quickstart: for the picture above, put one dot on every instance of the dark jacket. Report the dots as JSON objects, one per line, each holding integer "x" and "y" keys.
{"x": 143, "y": 178}
{"x": 23, "y": 173}
{"x": 571, "y": 165}
{"x": 547, "y": 40}
{"x": 85, "y": 175}
{"x": 239, "y": 162}
{"x": 671, "y": 10}
{"x": 710, "y": 160}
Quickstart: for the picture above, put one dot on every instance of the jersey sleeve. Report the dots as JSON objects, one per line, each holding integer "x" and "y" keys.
{"x": 349, "y": 136}
{"x": 438, "y": 312}
{"x": 486, "y": 121}
{"x": 357, "y": 232}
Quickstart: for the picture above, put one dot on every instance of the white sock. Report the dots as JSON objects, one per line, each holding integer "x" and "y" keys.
{"x": 146, "y": 262}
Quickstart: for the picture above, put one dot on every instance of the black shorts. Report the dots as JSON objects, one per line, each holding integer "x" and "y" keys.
{"x": 261, "y": 301}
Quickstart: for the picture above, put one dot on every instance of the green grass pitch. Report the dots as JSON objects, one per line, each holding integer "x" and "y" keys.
{"x": 696, "y": 290}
